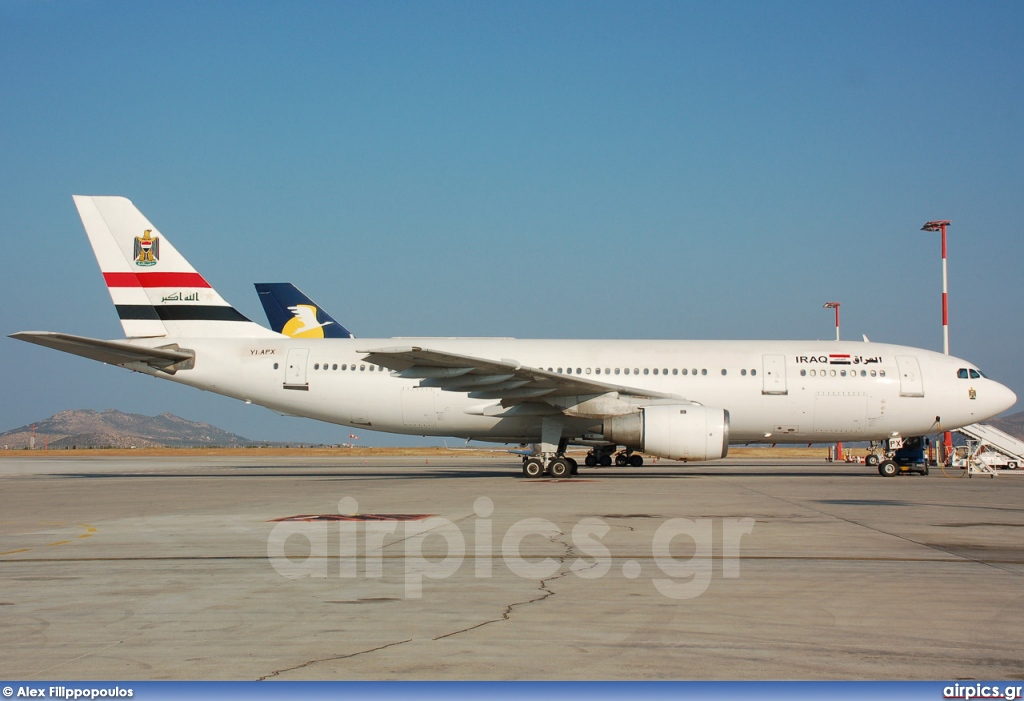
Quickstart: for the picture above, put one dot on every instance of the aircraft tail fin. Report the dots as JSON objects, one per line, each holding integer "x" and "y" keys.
{"x": 294, "y": 314}
{"x": 155, "y": 290}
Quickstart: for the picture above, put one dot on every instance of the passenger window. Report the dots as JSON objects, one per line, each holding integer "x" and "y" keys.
{"x": 647, "y": 371}
{"x": 598, "y": 370}
{"x": 881, "y": 373}
{"x": 753, "y": 372}
{"x": 579, "y": 371}
{"x": 275, "y": 366}
{"x": 334, "y": 366}
{"x": 362, "y": 368}
{"x": 625, "y": 371}
{"x": 675, "y": 371}
{"x": 616, "y": 371}
{"x": 803, "y": 373}
{"x": 636, "y": 371}
{"x": 655, "y": 371}
{"x": 704, "y": 371}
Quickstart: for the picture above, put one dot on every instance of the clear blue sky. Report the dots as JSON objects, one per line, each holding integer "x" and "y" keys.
{"x": 530, "y": 169}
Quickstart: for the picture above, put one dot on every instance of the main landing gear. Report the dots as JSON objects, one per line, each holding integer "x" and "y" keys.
{"x": 603, "y": 457}
{"x": 558, "y": 466}
{"x": 549, "y": 455}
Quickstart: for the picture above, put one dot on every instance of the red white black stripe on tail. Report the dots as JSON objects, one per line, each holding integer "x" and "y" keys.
{"x": 155, "y": 290}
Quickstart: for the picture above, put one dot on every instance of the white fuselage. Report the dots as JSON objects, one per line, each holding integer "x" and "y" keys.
{"x": 775, "y": 391}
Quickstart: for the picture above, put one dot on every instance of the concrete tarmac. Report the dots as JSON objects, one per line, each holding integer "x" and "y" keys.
{"x": 180, "y": 568}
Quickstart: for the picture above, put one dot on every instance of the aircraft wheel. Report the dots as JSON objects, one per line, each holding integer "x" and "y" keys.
{"x": 888, "y": 469}
{"x": 533, "y": 468}
{"x": 621, "y": 460}
{"x": 606, "y": 461}
{"x": 872, "y": 460}
{"x": 560, "y": 468}
{"x": 636, "y": 461}
{"x": 590, "y": 461}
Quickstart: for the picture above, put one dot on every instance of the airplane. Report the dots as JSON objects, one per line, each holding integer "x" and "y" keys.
{"x": 292, "y": 313}
{"x": 683, "y": 400}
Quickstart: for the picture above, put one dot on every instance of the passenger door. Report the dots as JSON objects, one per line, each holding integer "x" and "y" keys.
{"x": 295, "y": 369}
{"x": 911, "y": 382}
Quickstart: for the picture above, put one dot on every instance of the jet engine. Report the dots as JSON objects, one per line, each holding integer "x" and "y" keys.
{"x": 675, "y": 431}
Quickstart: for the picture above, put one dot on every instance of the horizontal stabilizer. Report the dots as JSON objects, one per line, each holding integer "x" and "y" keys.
{"x": 168, "y": 358}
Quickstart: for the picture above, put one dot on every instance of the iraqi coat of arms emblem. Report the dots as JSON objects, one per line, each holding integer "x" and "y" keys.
{"x": 147, "y": 248}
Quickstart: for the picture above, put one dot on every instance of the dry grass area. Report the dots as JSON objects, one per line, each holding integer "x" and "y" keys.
{"x": 759, "y": 452}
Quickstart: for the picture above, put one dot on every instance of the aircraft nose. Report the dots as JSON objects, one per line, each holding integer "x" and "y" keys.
{"x": 1002, "y": 398}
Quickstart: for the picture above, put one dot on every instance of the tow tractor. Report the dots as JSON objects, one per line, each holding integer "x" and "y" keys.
{"x": 904, "y": 455}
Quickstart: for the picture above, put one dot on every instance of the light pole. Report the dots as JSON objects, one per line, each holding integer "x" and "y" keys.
{"x": 940, "y": 225}
{"x": 834, "y": 305}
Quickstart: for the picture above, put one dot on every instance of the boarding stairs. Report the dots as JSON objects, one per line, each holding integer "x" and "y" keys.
{"x": 989, "y": 438}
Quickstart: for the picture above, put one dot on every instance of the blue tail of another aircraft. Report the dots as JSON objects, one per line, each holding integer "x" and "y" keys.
{"x": 294, "y": 314}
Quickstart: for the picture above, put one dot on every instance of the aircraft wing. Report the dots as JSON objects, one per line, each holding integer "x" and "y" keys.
{"x": 484, "y": 378}
{"x": 111, "y": 352}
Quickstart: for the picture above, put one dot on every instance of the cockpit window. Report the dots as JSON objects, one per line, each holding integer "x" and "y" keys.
{"x": 975, "y": 374}
{"x": 962, "y": 373}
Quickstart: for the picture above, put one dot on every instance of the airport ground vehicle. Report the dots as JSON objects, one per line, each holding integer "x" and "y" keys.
{"x": 912, "y": 456}
{"x": 982, "y": 453}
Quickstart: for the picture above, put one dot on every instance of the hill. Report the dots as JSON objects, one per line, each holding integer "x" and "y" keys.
{"x": 87, "y": 428}
{"x": 1012, "y": 424}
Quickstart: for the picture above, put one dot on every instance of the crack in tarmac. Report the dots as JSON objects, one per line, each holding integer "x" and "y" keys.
{"x": 542, "y": 587}
{"x": 330, "y": 659}
{"x": 506, "y": 615}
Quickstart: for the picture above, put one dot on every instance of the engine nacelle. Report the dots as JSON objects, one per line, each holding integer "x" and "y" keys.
{"x": 674, "y": 431}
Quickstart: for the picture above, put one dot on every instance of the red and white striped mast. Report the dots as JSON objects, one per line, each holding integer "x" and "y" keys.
{"x": 940, "y": 225}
